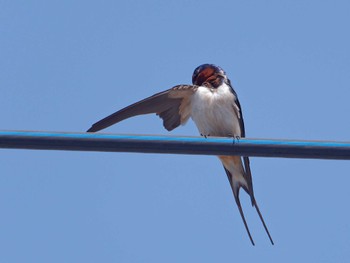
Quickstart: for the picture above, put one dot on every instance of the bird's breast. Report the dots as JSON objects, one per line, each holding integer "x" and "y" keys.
{"x": 214, "y": 111}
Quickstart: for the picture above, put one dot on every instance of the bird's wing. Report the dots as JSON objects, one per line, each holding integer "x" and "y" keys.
{"x": 247, "y": 174}
{"x": 172, "y": 105}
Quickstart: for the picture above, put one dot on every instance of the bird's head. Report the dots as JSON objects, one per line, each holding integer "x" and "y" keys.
{"x": 209, "y": 75}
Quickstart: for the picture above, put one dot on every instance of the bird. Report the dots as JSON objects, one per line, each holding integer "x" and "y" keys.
{"x": 213, "y": 105}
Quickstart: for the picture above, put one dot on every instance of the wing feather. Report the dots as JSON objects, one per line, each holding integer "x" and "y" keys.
{"x": 166, "y": 104}
{"x": 247, "y": 174}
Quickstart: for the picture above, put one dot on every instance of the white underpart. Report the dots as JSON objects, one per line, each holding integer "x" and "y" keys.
{"x": 215, "y": 112}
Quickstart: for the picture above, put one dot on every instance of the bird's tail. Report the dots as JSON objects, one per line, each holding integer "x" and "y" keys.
{"x": 235, "y": 189}
{"x": 262, "y": 221}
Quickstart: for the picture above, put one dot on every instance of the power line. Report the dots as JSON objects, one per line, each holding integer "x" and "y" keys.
{"x": 40, "y": 140}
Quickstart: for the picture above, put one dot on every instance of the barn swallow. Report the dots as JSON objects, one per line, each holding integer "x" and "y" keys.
{"x": 213, "y": 105}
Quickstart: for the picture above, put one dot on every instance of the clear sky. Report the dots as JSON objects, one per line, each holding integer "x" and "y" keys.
{"x": 66, "y": 64}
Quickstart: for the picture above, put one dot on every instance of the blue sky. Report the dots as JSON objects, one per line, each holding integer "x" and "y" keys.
{"x": 66, "y": 64}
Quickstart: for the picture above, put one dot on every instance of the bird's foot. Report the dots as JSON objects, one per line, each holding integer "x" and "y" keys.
{"x": 205, "y": 135}
{"x": 235, "y": 138}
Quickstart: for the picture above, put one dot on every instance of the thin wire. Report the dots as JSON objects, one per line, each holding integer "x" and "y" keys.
{"x": 40, "y": 140}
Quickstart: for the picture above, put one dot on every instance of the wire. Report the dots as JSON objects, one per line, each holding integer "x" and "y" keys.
{"x": 40, "y": 140}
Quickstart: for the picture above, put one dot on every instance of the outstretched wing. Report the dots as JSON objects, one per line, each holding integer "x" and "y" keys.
{"x": 172, "y": 105}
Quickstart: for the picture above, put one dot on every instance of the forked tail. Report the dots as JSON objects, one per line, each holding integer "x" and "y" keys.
{"x": 235, "y": 190}
{"x": 262, "y": 221}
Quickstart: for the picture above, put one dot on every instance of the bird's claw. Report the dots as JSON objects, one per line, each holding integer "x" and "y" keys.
{"x": 205, "y": 135}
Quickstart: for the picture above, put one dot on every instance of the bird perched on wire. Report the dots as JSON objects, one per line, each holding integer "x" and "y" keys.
{"x": 213, "y": 105}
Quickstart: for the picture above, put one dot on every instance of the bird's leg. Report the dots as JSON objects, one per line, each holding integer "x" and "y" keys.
{"x": 234, "y": 138}
{"x": 205, "y": 135}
